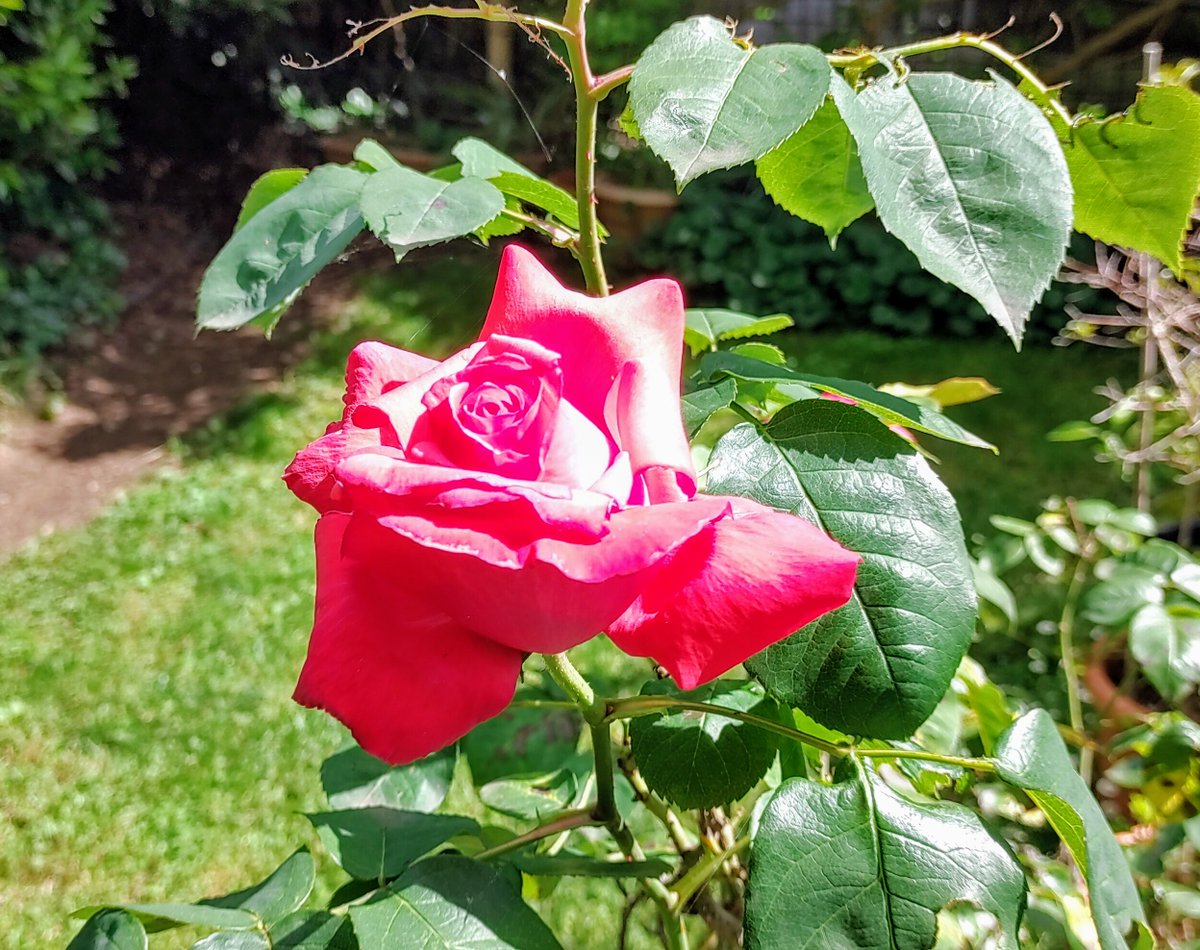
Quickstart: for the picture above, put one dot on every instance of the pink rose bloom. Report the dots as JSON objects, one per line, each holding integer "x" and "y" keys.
{"x": 520, "y": 497}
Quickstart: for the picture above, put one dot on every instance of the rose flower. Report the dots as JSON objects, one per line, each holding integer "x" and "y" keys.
{"x": 520, "y": 497}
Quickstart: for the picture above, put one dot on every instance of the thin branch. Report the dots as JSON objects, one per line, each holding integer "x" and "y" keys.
{"x": 483, "y": 11}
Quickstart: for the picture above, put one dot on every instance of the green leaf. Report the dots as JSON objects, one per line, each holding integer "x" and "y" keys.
{"x": 889, "y": 409}
{"x": 450, "y": 903}
{"x": 989, "y": 587}
{"x": 353, "y": 778}
{"x": 877, "y": 666}
{"x": 1115, "y": 599}
{"x": 857, "y": 865}
{"x": 1031, "y": 755}
{"x": 986, "y": 700}
{"x": 521, "y": 742}
{"x": 374, "y": 156}
{"x": 970, "y": 176}
{"x": 374, "y": 844}
{"x": 1136, "y": 175}
{"x": 955, "y": 391}
{"x": 699, "y": 406}
{"x": 1186, "y": 576}
{"x": 701, "y": 760}
{"x": 481, "y": 160}
{"x": 266, "y": 189}
{"x": 515, "y": 180}
{"x": 313, "y": 930}
{"x": 578, "y": 865}
{"x": 704, "y": 329}
{"x": 267, "y": 263}
{"x": 233, "y": 940}
{"x": 816, "y": 174}
{"x": 1168, "y": 653}
{"x": 533, "y": 798}
{"x": 110, "y": 930}
{"x": 407, "y": 210}
{"x": 703, "y": 100}
{"x": 284, "y": 890}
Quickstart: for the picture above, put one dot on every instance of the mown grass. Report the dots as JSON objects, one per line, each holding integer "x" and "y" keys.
{"x": 148, "y": 745}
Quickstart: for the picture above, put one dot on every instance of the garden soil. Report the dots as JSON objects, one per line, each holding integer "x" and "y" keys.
{"x": 121, "y": 395}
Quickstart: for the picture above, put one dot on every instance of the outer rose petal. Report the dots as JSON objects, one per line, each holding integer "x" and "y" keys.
{"x": 546, "y": 597}
{"x": 374, "y": 368}
{"x": 742, "y": 584}
{"x": 402, "y": 675}
{"x": 596, "y": 337}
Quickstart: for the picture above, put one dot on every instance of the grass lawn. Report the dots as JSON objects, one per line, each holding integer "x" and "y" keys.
{"x": 150, "y": 749}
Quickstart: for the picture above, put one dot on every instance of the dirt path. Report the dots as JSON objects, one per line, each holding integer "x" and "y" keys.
{"x": 130, "y": 390}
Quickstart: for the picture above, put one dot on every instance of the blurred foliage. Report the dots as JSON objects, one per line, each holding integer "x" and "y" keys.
{"x": 731, "y": 247}
{"x": 58, "y": 268}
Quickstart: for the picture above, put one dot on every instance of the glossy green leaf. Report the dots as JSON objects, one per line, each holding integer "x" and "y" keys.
{"x": 450, "y": 903}
{"x": 110, "y": 930}
{"x": 1167, "y": 650}
{"x": 522, "y": 742}
{"x": 1185, "y": 576}
{"x": 374, "y": 844}
{"x": 375, "y": 157}
{"x": 267, "y": 263}
{"x": 283, "y": 891}
{"x": 1031, "y": 755}
{"x": 889, "y": 409}
{"x": 702, "y": 760}
{"x": 703, "y": 100}
{"x": 877, "y": 666}
{"x": 1136, "y": 176}
{"x": 856, "y": 865}
{"x": 353, "y": 778}
{"x": 971, "y": 177}
{"x": 481, "y": 160}
{"x": 704, "y": 329}
{"x": 313, "y": 930}
{"x": 407, "y": 210}
{"x": 578, "y": 865}
{"x": 699, "y": 406}
{"x": 266, "y": 189}
{"x": 816, "y": 174}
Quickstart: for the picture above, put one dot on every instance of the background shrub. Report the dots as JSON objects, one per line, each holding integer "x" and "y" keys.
{"x": 732, "y": 247}
{"x": 57, "y": 266}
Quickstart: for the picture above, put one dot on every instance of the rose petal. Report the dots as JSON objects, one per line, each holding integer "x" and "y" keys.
{"x": 380, "y": 484}
{"x": 546, "y": 597}
{"x": 579, "y": 454}
{"x": 374, "y": 368}
{"x": 742, "y": 584}
{"x": 596, "y": 337}
{"x": 405, "y": 678}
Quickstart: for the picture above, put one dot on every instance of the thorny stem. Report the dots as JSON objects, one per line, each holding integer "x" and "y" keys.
{"x": 646, "y": 705}
{"x": 577, "y": 818}
{"x": 586, "y": 121}
{"x": 1044, "y": 95}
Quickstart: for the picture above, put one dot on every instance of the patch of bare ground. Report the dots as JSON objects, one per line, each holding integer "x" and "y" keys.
{"x": 128, "y": 390}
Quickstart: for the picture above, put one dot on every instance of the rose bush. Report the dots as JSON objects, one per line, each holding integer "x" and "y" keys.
{"x": 521, "y": 496}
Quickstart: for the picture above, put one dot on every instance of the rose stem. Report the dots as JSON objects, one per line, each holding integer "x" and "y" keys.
{"x": 586, "y": 119}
